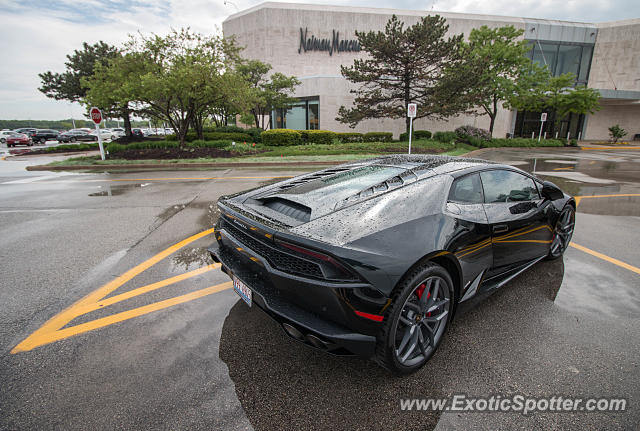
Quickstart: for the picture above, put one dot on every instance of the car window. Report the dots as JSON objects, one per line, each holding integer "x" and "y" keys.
{"x": 467, "y": 189}
{"x": 507, "y": 186}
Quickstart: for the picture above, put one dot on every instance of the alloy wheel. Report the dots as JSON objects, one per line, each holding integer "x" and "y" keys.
{"x": 422, "y": 321}
{"x": 563, "y": 232}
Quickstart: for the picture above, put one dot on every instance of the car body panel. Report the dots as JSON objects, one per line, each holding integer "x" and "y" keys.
{"x": 377, "y": 229}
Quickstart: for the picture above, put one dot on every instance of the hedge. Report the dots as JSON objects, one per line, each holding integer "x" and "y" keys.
{"x": 417, "y": 134}
{"x": 464, "y": 133}
{"x": 215, "y": 136}
{"x": 378, "y": 137}
{"x": 281, "y": 137}
{"x": 317, "y": 137}
{"x": 444, "y": 136}
{"x": 113, "y": 147}
{"x": 516, "y": 142}
{"x": 74, "y": 147}
{"x": 349, "y": 137}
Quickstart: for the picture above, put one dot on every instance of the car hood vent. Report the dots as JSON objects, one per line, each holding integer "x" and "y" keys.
{"x": 289, "y": 208}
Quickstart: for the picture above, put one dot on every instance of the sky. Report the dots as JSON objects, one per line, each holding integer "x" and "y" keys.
{"x": 37, "y": 35}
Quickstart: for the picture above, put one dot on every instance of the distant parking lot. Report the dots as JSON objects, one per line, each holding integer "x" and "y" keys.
{"x": 112, "y": 314}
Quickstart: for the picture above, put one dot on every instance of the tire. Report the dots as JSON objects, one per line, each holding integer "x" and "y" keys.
{"x": 43, "y": 141}
{"x": 3, "y": 140}
{"x": 393, "y": 348}
{"x": 562, "y": 232}
{"x": 72, "y": 140}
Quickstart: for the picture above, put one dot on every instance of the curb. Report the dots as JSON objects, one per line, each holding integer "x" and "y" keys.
{"x": 181, "y": 165}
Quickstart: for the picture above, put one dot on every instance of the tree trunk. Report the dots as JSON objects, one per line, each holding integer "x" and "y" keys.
{"x": 197, "y": 122}
{"x": 492, "y": 116}
{"x": 126, "y": 116}
{"x": 407, "y": 100}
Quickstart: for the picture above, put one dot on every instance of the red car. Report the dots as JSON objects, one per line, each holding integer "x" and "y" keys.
{"x": 19, "y": 139}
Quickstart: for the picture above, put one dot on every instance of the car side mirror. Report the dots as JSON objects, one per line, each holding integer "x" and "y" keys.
{"x": 551, "y": 191}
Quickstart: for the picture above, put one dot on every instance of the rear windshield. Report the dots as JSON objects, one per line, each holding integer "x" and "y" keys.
{"x": 348, "y": 182}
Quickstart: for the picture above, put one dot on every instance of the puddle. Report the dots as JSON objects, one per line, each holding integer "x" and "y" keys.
{"x": 116, "y": 190}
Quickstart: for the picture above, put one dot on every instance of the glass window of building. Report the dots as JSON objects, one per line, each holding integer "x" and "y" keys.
{"x": 545, "y": 54}
{"x": 585, "y": 64}
{"x": 303, "y": 115}
{"x": 568, "y": 59}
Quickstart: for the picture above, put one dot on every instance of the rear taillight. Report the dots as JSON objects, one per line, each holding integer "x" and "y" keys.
{"x": 331, "y": 268}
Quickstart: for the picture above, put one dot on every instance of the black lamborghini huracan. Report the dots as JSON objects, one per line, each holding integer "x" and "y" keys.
{"x": 373, "y": 257}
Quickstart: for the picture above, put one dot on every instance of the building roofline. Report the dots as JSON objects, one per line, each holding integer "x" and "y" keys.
{"x": 388, "y": 11}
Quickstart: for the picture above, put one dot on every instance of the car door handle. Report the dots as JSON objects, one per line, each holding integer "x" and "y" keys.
{"x": 500, "y": 228}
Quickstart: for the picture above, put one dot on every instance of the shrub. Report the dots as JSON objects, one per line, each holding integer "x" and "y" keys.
{"x": 228, "y": 129}
{"x": 520, "y": 142}
{"x": 417, "y": 134}
{"x": 616, "y": 132}
{"x": 378, "y": 137}
{"x": 467, "y": 133}
{"x": 209, "y": 144}
{"x": 146, "y": 145}
{"x": 317, "y": 137}
{"x": 445, "y": 136}
{"x": 255, "y": 133}
{"x": 349, "y": 137}
{"x": 281, "y": 137}
{"x": 215, "y": 136}
{"x": 76, "y": 147}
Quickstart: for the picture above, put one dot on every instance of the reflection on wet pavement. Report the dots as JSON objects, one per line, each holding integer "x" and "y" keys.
{"x": 116, "y": 190}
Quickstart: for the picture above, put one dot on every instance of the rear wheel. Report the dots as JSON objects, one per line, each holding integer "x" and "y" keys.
{"x": 43, "y": 141}
{"x": 563, "y": 232}
{"x": 72, "y": 139}
{"x": 417, "y": 319}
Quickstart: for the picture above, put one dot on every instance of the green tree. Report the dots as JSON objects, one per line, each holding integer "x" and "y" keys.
{"x": 267, "y": 92}
{"x": 501, "y": 58}
{"x": 69, "y": 85}
{"x": 416, "y": 64}
{"x": 539, "y": 91}
{"x": 173, "y": 78}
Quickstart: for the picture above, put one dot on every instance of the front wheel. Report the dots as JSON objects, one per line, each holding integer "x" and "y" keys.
{"x": 563, "y": 232}
{"x": 417, "y": 319}
{"x": 72, "y": 139}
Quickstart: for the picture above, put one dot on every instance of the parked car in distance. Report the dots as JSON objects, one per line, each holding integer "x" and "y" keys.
{"x": 19, "y": 139}
{"x": 137, "y": 132}
{"x": 43, "y": 135}
{"x": 104, "y": 133}
{"x": 76, "y": 135}
{"x": 119, "y": 132}
{"x": 5, "y": 134}
{"x": 26, "y": 130}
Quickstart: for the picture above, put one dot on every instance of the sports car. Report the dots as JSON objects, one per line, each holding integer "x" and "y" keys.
{"x": 374, "y": 257}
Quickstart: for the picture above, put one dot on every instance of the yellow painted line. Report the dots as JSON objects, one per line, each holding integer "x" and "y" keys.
{"x": 610, "y": 148}
{"x": 621, "y": 195}
{"x": 46, "y": 333}
{"x": 568, "y": 168}
{"x": 3, "y": 158}
{"x": 126, "y": 315}
{"x": 144, "y": 289}
{"x": 607, "y": 258}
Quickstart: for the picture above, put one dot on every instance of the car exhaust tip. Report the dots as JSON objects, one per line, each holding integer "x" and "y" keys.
{"x": 316, "y": 342}
{"x": 293, "y": 332}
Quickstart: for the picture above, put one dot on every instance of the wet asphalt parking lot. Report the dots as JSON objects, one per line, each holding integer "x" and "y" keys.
{"x": 112, "y": 315}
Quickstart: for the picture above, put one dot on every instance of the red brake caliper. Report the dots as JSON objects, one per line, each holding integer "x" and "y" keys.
{"x": 420, "y": 291}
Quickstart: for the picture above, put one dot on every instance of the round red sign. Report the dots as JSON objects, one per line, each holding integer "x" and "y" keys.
{"x": 96, "y": 115}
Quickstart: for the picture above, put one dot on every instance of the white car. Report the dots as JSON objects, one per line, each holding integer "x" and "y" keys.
{"x": 118, "y": 131}
{"x": 105, "y": 134}
{"x": 5, "y": 134}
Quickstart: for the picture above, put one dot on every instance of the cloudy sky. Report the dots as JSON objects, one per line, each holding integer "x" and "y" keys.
{"x": 36, "y": 35}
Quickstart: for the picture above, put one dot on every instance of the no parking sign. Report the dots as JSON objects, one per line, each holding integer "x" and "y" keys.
{"x": 411, "y": 110}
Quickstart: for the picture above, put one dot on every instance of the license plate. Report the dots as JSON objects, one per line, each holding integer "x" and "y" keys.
{"x": 242, "y": 290}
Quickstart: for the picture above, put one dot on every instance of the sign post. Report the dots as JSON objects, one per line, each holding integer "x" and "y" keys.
{"x": 412, "y": 108}
{"x": 96, "y": 117}
{"x": 543, "y": 118}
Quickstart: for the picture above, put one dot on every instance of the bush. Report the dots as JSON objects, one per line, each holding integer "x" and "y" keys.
{"x": 113, "y": 147}
{"x": 215, "y": 136}
{"x": 378, "y": 137}
{"x": 76, "y": 147}
{"x": 520, "y": 142}
{"x": 209, "y": 144}
{"x": 616, "y": 132}
{"x": 349, "y": 137}
{"x": 281, "y": 137}
{"x": 255, "y": 133}
{"x": 324, "y": 137}
{"x": 228, "y": 129}
{"x": 467, "y": 134}
{"x": 417, "y": 134}
{"x": 445, "y": 136}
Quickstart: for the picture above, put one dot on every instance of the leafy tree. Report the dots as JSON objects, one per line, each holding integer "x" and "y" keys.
{"x": 79, "y": 67}
{"x": 174, "y": 78}
{"x": 267, "y": 92}
{"x": 409, "y": 65}
{"x": 539, "y": 91}
{"x": 501, "y": 59}
{"x": 616, "y": 132}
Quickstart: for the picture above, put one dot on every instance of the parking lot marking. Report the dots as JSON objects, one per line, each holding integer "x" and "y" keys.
{"x": 610, "y": 148}
{"x": 47, "y": 333}
{"x": 605, "y": 257}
